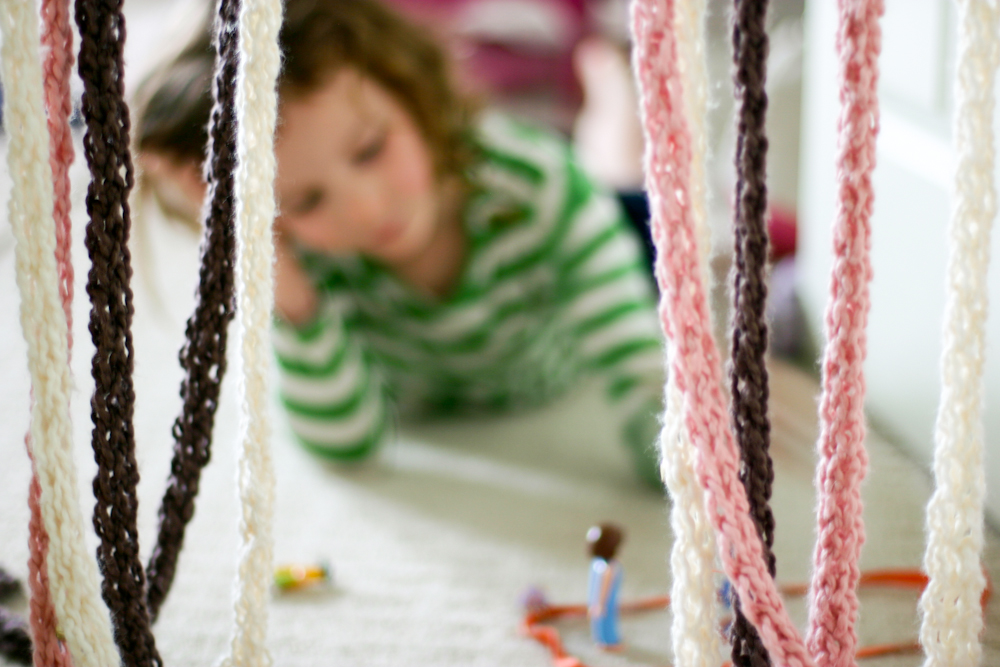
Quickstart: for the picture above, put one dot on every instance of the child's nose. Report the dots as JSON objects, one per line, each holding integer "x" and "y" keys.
{"x": 370, "y": 204}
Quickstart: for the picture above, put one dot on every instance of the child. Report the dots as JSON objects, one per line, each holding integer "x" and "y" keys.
{"x": 428, "y": 259}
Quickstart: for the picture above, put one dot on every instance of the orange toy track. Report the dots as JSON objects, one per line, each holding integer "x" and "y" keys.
{"x": 536, "y": 621}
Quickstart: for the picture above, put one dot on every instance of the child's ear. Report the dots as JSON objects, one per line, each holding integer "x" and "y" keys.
{"x": 177, "y": 184}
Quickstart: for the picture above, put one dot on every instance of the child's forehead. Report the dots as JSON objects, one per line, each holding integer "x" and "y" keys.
{"x": 343, "y": 110}
{"x": 345, "y": 89}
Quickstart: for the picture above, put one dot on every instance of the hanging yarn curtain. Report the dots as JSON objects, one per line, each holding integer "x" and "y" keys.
{"x": 256, "y": 100}
{"x": 73, "y": 576}
{"x": 203, "y": 356}
{"x": 684, "y": 313}
{"x": 701, "y": 465}
{"x": 952, "y": 613}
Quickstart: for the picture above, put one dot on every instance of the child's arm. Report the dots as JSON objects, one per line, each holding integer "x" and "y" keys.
{"x": 336, "y": 401}
{"x": 611, "y": 303}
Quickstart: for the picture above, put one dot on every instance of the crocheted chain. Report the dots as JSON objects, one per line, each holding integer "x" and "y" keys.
{"x": 83, "y": 618}
{"x": 203, "y": 356}
{"x": 48, "y": 650}
{"x": 684, "y": 314}
{"x": 833, "y": 607}
{"x": 952, "y": 614}
{"x": 748, "y": 372}
{"x": 256, "y": 102}
{"x": 694, "y": 630}
{"x": 57, "y": 40}
{"x": 106, "y": 145}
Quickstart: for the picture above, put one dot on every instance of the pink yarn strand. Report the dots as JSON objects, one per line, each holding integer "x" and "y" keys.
{"x": 48, "y": 651}
{"x": 833, "y": 606}
{"x": 57, "y": 40}
{"x": 685, "y": 318}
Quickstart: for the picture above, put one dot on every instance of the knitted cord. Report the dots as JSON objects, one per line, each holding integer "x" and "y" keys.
{"x": 694, "y": 631}
{"x": 73, "y": 577}
{"x": 57, "y": 39}
{"x": 203, "y": 356}
{"x": 256, "y": 102}
{"x": 101, "y": 67}
{"x": 684, "y": 315}
{"x": 833, "y": 601}
{"x": 748, "y": 372}
{"x": 48, "y": 650}
{"x": 952, "y": 614}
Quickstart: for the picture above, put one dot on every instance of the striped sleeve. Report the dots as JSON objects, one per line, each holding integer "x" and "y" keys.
{"x": 609, "y": 298}
{"x": 610, "y": 305}
{"x": 334, "y": 396}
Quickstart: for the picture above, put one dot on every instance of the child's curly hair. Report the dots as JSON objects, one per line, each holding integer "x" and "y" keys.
{"x": 317, "y": 38}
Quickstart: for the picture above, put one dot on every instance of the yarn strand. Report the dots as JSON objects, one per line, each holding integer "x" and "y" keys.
{"x": 695, "y": 630}
{"x": 84, "y": 619}
{"x": 684, "y": 315}
{"x": 256, "y": 102}
{"x": 952, "y": 615}
{"x": 106, "y": 145}
{"x": 204, "y": 353}
{"x": 748, "y": 371}
{"x": 57, "y": 40}
{"x": 833, "y": 600}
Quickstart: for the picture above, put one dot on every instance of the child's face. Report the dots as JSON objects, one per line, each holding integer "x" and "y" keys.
{"x": 355, "y": 174}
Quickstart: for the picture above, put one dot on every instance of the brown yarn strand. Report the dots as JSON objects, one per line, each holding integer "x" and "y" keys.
{"x": 748, "y": 373}
{"x": 106, "y": 145}
{"x": 203, "y": 356}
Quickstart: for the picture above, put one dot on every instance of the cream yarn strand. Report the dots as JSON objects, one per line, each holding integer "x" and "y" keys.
{"x": 694, "y": 632}
{"x": 256, "y": 103}
{"x": 952, "y": 615}
{"x": 83, "y": 617}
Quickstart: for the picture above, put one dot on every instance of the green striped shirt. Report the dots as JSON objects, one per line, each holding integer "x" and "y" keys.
{"x": 554, "y": 286}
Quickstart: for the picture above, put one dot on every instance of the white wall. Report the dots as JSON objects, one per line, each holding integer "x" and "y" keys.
{"x": 912, "y": 186}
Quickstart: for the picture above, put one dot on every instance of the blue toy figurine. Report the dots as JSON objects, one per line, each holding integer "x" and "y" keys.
{"x": 605, "y": 582}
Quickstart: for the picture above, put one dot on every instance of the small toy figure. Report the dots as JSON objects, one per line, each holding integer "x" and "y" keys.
{"x": 296, "y": 577}
{"x": 605, "y": 582}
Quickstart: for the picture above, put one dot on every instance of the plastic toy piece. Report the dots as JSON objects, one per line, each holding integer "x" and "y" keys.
{"x": 604, "y": 585}
{"x": 297, "y": 577}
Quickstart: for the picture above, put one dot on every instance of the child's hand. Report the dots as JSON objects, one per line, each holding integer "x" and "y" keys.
{"x": 295, "y": 298}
